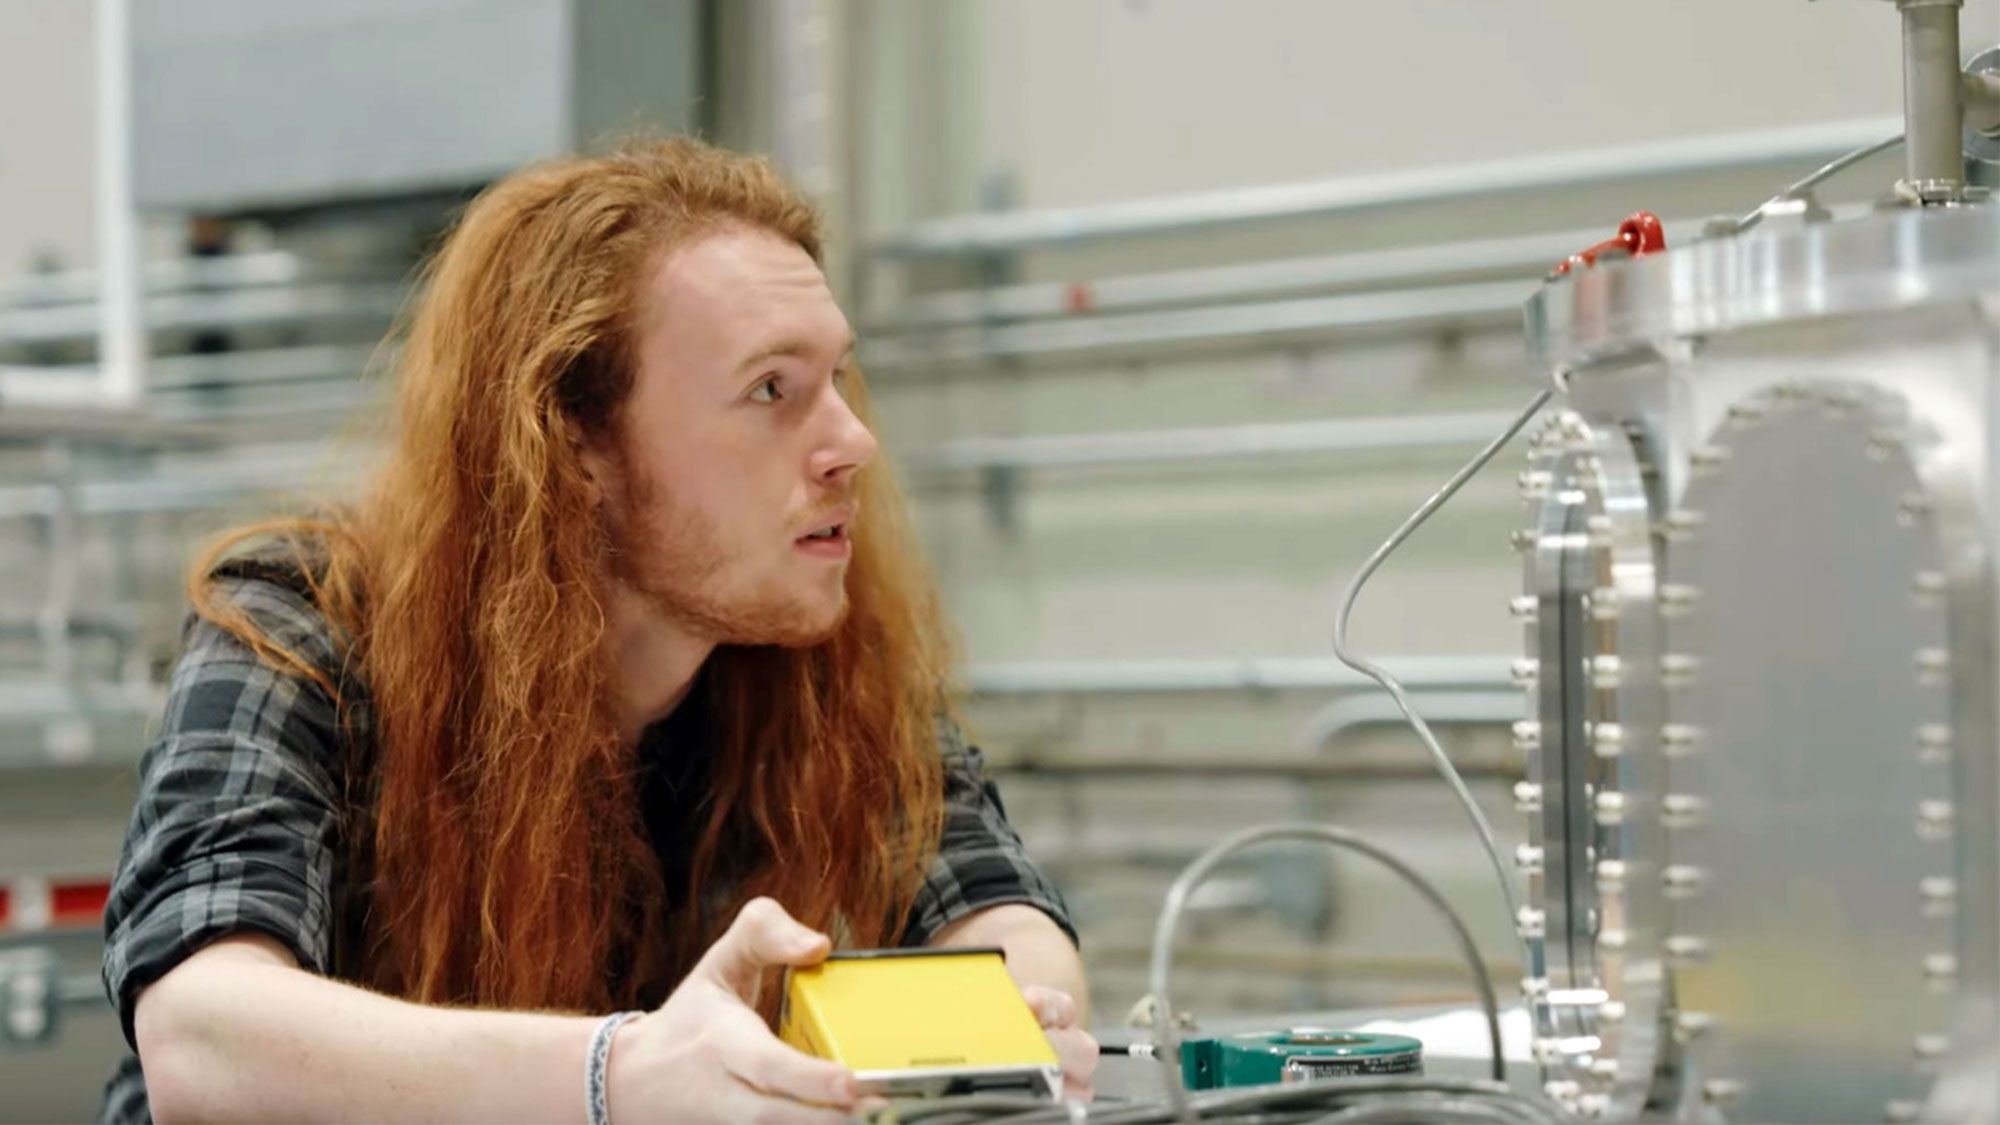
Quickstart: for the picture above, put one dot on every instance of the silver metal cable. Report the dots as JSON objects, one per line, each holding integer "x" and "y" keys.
{"x": 1826, "y": 172}
{"x": 1166, "y": 1033}
{"x": 1375, "y": 672}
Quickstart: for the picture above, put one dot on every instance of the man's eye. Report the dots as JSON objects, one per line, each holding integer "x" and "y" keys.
{"x": 766, "y": 391}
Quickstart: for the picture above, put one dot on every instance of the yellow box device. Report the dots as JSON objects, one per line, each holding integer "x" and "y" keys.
{"x": 921, "y": 1023}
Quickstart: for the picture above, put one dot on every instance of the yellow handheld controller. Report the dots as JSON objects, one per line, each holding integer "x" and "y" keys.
{"x": 921, "y": 1023}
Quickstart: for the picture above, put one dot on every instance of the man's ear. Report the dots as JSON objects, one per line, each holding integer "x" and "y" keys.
{"x": 600, "y": 468}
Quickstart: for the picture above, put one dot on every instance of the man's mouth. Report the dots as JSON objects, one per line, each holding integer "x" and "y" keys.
{"x": 832, "y": 532}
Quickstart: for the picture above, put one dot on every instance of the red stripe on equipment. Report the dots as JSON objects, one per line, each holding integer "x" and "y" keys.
{"x": 78, "y": 903}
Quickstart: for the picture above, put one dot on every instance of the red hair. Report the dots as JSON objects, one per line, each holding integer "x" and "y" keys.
{"x": 502, "y": 846}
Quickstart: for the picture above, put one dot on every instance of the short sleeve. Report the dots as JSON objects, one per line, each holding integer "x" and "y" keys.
{"x": 234, "y": 827}
{"x": 981, "y": 861}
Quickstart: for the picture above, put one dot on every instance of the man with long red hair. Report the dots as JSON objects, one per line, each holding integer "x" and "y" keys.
{"x": 618, "y": 690}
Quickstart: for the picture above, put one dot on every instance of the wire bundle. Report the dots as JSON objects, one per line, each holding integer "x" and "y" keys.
{"x": 1377, "y": 1101}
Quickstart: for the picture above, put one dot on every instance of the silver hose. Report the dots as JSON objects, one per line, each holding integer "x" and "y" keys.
{"x": 1166, "y": 1032}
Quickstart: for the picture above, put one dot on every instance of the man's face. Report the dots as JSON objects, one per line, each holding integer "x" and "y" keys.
{"x": 739, "y": 453}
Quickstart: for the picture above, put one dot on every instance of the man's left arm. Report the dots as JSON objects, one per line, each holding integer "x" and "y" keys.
{"x": 1038, "y": 951}
{"x": 1043, "y": 961}
{"x": 983, "y": 890}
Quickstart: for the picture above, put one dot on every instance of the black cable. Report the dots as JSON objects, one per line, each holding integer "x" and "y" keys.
{"x": 1334, "y": 1093}
{"x": 1361, "y": 1099}
{"x": 1425, "y": 1109}
{"x": 960, "y": 1108}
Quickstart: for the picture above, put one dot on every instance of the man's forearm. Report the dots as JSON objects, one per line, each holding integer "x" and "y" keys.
{"x": 1038, "y": 951}
{"x": 240, "y": 1033}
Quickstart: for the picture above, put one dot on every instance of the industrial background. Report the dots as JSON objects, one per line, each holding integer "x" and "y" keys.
{"x": 1172, "y": 309}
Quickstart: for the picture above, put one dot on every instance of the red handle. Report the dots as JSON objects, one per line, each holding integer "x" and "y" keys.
{"x": 1637, "y": 236}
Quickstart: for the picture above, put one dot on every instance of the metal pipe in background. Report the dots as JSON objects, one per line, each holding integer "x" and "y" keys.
{"x": 313, "y": 301}
{"x": 281, "y": 466}
{"x": 167, "y": 275}
{"x": 1482, "y": 674}
{"x": 1152, "y": 767}
{"x": 1527, "y": 256}
{"x": 1934, "y": 163}
{"x": 1302, "y": 673}
{"x": 1213, "y": 443}
{"x": 1349, "y": 713}
{"x": 120, "y": 326}
{"x": 802, "y": 104}
{"x": 1484, "y": 303}
{"x": 121, "y": 341}
{"x": 63, "y": 544}
{"x": 975, "y": 234}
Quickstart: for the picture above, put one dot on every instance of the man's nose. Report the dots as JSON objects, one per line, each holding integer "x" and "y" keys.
{"x": 849, "y": 445}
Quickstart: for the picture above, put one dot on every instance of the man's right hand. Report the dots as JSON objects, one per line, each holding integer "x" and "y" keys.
{"x": 706, "y": 1054}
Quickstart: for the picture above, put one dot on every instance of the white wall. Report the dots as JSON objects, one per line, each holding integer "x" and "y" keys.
{"x": 46, "y": 104}
{"x": 1097, "y": 101}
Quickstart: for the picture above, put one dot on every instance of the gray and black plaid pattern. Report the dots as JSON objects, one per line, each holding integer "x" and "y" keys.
{"x": 236, "y": 828}
{"x": 981, "y": 861}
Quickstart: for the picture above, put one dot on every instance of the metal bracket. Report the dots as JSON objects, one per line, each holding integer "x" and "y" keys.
{"x": 1000, "y": 489}
{"x": 30, "y": 998}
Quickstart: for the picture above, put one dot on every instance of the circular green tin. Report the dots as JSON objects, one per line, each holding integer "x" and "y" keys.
{"x": 1300, "y": 1054}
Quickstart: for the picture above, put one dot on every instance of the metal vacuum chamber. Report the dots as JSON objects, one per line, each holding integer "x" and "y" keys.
{"x": 1759, "y": 619}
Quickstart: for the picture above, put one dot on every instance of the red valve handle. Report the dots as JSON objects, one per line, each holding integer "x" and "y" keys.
{"x": 1637, "y": 236}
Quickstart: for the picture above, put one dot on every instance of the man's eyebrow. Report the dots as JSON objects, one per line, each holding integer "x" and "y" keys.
{"x": 793, "y": 347}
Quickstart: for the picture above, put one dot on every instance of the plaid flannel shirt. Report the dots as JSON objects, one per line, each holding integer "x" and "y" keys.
{"x": 237, "y": 823}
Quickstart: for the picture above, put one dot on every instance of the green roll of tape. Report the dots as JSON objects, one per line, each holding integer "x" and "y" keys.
{"x": 1302, "y": 1054}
